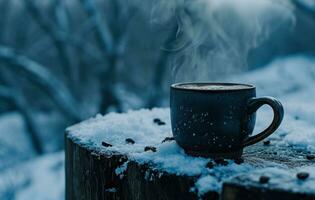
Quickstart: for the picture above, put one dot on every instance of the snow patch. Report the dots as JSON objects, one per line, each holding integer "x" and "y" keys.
{"x": 15, "y": 145}
{"x": 121, "y": 169}
{"x": 111, "y": 190}
{"x": 42, "y": 178}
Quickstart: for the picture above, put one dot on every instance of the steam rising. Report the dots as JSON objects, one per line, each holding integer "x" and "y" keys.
{"x": 215, "y": 36}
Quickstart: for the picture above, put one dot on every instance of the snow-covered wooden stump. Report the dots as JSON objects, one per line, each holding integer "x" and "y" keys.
{"x": 131, "y": 156}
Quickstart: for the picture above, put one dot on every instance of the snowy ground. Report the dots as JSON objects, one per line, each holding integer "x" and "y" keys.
{"x": 291, "y": 80}
{"x": 38, "y": 179}
{"x": 14, "y": 144}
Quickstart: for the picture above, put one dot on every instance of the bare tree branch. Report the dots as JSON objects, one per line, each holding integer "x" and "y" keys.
{"x": 58, "y": 37}
{"x": 160, "y": 69}
{"x": 4, "y": 8}
{"x": 62, "y": 21}
{"x": 61, "y": 16}
{"x": 56, "y": 89}
{"x": 17, "y": 97}
{"x": 5, "y": 92}
{"x": 29, "y": 123}
{"x": 303, "y": 7}
{"x": 102, "y": 31}
{"x": 105, "y": 42}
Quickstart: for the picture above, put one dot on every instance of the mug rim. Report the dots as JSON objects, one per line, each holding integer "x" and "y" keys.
{"x": 175, "y": 86}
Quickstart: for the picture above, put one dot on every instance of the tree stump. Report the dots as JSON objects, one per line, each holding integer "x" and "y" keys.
{"x": 102, "y": 172}
{"x": 90, "y": 174}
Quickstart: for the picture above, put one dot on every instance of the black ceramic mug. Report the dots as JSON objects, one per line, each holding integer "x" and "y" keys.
{"x": 217, "y": 119}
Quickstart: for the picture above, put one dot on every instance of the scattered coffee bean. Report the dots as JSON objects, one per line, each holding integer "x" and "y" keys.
{"x": 156, "y": 120}
{"x": 296, "y": 117}
{"x": 275, "y": 153}
{"x": 130, "y": 141}
{"x": 218, "y": 160}
{"x": 239, "y": 161}
{"x": 168, "y": 139}
{"x": 150, "y": 148}
{"x": 302, "y": 175}
{"x": 221, "y": 161}
{"x": 160, "y": 123}
{"x": 266, "y": 142}
{"x": 105, "y": 144}
{"x": 264, "y": 179}
{"x": 210, "y": 165}
{"x": 310, "y": 157}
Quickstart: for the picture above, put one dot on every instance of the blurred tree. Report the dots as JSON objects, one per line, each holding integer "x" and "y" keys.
{"x": 70, "y": 57}
{"x": 62, "y": 61}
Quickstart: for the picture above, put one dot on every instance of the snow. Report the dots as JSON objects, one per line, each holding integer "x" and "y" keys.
{"x": 112, "y": 190}
{"x": 14, "y": 143}
{"x": 204, "y": 184}
{"x": 121, "y": 169}
{"x": 283, "y": 179}
{"x": 50, "y": 168}
{"x": 42, "y": 178}
{"x": 289, "y": 79}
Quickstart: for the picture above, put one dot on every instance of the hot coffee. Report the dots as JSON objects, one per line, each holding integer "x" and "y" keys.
{"x": 217, "y": 119}
{"x": 205, "y": 86}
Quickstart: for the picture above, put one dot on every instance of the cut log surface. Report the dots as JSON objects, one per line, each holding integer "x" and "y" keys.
{"x": 132, "y": 156}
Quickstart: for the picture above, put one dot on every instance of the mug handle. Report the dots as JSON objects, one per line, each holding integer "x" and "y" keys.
{"x": 253, "y": 105}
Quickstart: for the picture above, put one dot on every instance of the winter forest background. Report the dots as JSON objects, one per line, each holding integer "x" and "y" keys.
{"x": 63, "y": 61}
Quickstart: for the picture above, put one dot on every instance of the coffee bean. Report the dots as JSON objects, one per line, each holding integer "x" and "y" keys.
{"x": 168, "y": 139}
{"x": 264, "y": 179}
{"x": 150, "y": 148}
{"x": 130, "y": 141}
{"x": 239, "y": 161}
{"x": 156, "y": 120}
{"x": 218, "y": 160}
{"x": 105, "y": 144}
{"x": 221, "y": 161}
{"x": 310, "y": 157}
{"x": 210, "y": 165}
{"x": 266, "y": 142}
{"x": 302, "y": 175}
{"x": 275, "y": 153}
{"x": 160, "y": 123}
